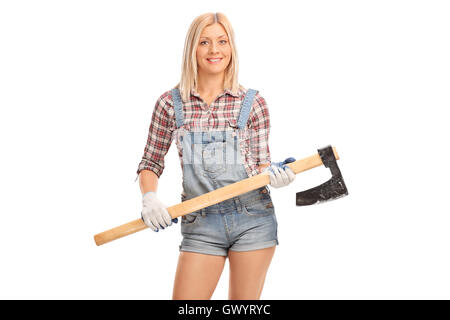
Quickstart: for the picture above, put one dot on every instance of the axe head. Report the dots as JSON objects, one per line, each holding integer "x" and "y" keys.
{"x": 332, "y": 189}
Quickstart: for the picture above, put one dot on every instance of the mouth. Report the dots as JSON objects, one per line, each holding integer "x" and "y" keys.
{"x": 214, "y": 60}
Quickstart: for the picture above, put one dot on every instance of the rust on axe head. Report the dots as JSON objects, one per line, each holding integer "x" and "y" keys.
{"x": 332, "y": 189}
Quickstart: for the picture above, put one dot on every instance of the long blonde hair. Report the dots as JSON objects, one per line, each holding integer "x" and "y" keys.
{"x": 189, "y": 66}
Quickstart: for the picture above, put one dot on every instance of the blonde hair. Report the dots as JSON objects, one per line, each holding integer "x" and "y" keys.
{"x": 189, "y": 66}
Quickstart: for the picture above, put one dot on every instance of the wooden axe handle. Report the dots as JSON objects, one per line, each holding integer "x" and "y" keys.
{"x": 208, "y": 199}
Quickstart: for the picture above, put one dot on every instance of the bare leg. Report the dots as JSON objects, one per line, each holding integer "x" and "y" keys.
{"x": 197, "y": 276}
{"x": 248, "y": 272}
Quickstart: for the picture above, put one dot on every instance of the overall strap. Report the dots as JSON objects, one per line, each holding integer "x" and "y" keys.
{"x": 178, "y": 107}
{"x": 246, "y": 107}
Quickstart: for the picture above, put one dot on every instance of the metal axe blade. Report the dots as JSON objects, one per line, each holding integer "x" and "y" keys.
{"x": 332, "y": 189}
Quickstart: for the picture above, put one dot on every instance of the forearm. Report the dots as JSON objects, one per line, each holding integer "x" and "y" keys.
{"x": 261, "y": 167}
{"x": 148, "y": 181}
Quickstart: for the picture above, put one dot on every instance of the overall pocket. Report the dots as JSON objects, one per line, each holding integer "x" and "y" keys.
{"x": 213, "y": 157}
{"x": 190, "y": 218}
{"x": 261, "y": 205}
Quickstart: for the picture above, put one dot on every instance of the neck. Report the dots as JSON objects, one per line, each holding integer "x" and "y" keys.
{"x": 210, "y": 83}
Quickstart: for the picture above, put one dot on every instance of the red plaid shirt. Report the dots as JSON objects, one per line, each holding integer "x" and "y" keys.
{"x": 220, "y": 115}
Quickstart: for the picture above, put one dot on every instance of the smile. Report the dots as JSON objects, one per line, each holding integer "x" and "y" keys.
{"x": 214, "y": 60}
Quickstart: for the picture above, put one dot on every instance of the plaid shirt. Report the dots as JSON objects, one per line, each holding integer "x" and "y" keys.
{"x": 220, "y": 115}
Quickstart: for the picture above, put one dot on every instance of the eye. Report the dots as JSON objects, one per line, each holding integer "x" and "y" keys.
{"x": 203, "y": 43}
{"x": 223, "y": 41}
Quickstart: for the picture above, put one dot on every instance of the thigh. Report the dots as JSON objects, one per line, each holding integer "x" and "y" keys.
{"x": 197, "y": 276}
{"x": 248, "y": 271}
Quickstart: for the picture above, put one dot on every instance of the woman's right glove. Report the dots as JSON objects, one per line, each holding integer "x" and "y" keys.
{"x": 154, "y": 212}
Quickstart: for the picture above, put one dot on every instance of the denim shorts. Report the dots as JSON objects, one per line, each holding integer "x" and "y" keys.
{"x": 243, "y": 223}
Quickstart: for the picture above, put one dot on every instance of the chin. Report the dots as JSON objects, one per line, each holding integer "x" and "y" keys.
{"x": 213, "y": 71}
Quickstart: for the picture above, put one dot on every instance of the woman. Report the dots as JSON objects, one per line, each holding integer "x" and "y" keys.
{"x": 221, "y": 131}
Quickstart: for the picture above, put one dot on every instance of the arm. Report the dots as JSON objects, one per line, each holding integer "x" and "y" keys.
{"x": 259, "y": 128}
{"x": 280, "y": 175}
{"x": 148, "y": 181}
{"x": 154, "y": 212}
{"x": 261, "y": 167}
{"x": 158, "y": 143}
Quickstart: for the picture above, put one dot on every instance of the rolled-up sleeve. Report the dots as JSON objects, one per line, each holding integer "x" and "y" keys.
{"x": 159, "y": 138}
{"x": 259, "y": 127}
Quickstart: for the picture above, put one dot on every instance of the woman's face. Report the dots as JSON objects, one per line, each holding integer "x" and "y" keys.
{"x": 213, "y": 51}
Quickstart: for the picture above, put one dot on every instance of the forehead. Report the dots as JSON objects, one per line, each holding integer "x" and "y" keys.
{"x": 213, "y": 31}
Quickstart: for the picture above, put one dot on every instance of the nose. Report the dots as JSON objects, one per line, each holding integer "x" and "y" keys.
{"x": 213, "y": 48}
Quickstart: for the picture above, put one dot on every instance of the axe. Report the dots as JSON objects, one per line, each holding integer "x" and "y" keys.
{"x": 330, "y": 190}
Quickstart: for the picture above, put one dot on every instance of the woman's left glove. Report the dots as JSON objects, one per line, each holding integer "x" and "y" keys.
{"x": 280, "y": 174}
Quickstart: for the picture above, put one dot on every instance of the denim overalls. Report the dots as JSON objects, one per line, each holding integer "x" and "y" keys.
{"x": 211, "y": 160}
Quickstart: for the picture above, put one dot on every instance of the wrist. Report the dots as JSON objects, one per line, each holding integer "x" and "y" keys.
{"x": 148, "y": 193}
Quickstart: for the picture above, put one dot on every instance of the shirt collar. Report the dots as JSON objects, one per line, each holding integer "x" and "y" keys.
{"x": 231, "y": 93}
{"x": 226, "y": 91}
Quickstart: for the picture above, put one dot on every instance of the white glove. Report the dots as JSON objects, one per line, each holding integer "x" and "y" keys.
{"x": 154, "y": 212}
{"x": 280, "y": 176}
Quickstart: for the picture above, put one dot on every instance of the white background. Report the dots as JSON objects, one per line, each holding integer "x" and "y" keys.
{"x": 78, "y": 82}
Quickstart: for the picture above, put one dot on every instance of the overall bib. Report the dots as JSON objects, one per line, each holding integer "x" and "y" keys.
{"x": 212, "y": 159}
